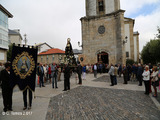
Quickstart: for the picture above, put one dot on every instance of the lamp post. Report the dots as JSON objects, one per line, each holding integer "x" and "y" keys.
{"x": 80, "y": 45}
{"x": 25, "y": 39}
{"x": 125, "y": 41}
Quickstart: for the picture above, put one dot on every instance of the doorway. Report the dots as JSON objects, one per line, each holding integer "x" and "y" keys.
{"x": 103, "y": 57}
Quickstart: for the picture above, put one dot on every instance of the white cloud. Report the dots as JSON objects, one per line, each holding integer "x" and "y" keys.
{"x": 133, "y": 6}
{"x": 47, "y": 20}
{"x": 147, "y": 26}
{"x": 53, "y": 21}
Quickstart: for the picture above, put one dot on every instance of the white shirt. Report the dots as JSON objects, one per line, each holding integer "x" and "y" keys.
{"x": 146, "y": 75}
{"x": 111, "y": 71}
{"x": 95, "y": 67}
{"x": 87, "y": 67}
{"x": 44, "y": 68}
{"x": 155, "y": 74}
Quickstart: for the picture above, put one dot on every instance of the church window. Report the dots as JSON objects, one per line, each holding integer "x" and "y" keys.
{"x": 127, "y": 54}
{"x": 47, "y": 58}
{"x": 101, "y": 5}
{"x": 101, "y": 29}
{"x": 53, "y": 57}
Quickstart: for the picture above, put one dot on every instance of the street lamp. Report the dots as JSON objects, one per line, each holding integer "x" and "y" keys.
{"x": 25, "y": 39}
{"x": 79, "y": 44}
{"x": 125, "y": 41}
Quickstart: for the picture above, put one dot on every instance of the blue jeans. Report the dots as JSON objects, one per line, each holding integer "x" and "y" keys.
{"x": 41, "y": 81}
{"x": 115, "y": 80}
{"x": 95, "y": 73}
{"x": 112, "y": 79}
{"x": 54, "y": 80}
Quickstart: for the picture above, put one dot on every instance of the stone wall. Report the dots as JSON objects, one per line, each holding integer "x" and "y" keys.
{"x": 117, "y": 5}
{"x": 127, "y": 45}
{"x": 110, "y": 40}
{"x": 130, "y": 40}
{"x": 91, "y": 7}
{"x": 136, "y": 47}
{"x": 15, "y": 39}
{"x": 121, "y": 52}
{"x": 110, "y": 6}
{"x": 50, "y": 58}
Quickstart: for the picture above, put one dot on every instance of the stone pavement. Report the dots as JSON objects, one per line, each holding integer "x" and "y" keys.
{"x": 93, "y": 100}
{"x": 91, "y": 103}
{"x": 106, "y": 78}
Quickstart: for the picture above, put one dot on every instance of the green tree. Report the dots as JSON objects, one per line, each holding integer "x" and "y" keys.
{"x": 129, "y": 61}
{"x": 9, "y": 52}
{"x": 155, "y": 50}
{"x": 158, "y": 34}
{"x": 151, "y": 51}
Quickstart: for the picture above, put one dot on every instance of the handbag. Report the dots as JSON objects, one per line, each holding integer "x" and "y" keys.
{"x": 159, "y": 75}
{"x": 153, "y": 79}
{"x": 157, "y": 83}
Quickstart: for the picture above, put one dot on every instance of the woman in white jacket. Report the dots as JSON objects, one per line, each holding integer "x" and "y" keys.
{"x": 146, "y": 78}
{"x": 155, "y": 81}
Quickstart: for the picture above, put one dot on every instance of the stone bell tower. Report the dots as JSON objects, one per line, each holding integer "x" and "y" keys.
{"x": 103, "y": 32}
{"x": 101, "y": 7}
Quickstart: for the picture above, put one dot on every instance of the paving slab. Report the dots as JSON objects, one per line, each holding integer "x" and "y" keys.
{"x": 106, "y": 78}
{"x": 93, "y": 103}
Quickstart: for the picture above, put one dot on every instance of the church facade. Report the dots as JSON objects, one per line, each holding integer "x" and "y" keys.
{"x": 107, "y": 36}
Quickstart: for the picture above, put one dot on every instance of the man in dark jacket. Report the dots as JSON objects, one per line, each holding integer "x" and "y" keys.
{"x": 54, "y": 75}
{"x": 79, "y": 72}
{"x": 1, "y": 68}
{"x": 119, "y": 70}
{"x": 66, "y": 78}
{"x": 129, "y": 68}
{"x": 139, "y": 74}
{"x": 133, "y": 72}
{"x": 40, "y": 72}
{"x": 7, "y": 91}
{"x": 125, "y": 74}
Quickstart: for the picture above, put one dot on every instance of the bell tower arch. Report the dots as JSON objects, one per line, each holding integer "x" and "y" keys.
{"x": 101, "y": 7}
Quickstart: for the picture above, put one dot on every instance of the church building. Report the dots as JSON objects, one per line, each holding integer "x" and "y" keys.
{"x": 107, "y": 36}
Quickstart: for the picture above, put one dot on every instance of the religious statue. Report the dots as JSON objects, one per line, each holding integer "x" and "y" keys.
{"x": 69, "y": 54}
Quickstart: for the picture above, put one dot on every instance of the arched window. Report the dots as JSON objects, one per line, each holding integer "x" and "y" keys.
{"x": 101, "y": 5}
{"x": 47, "y": 58}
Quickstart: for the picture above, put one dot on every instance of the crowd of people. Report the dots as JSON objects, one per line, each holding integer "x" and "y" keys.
{"x": 137, "y": 72}
{"x": 51, "y": 73}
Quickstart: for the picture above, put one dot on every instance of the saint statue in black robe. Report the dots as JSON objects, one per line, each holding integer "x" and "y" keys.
{"x": 69, "y": 54}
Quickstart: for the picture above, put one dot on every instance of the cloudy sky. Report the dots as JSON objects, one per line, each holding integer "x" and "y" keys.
{"x": 53, "y": 21}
